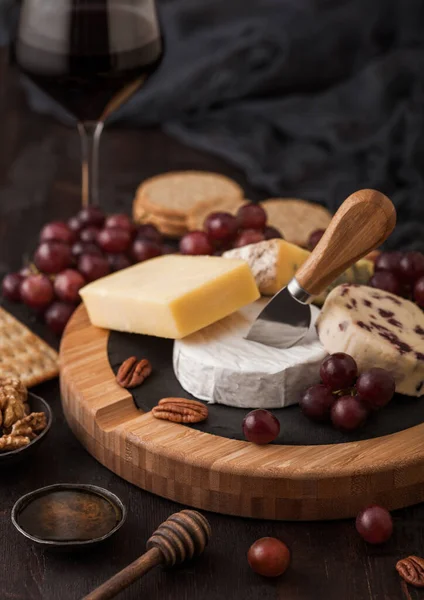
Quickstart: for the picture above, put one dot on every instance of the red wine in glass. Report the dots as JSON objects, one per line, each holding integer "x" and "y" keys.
{"x": 90, "y": 56}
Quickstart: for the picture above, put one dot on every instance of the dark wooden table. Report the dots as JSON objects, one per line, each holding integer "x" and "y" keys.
{"x": 39, "y": 182}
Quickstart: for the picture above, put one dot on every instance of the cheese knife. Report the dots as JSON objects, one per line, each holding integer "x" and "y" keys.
{"x": 361, "y": 224}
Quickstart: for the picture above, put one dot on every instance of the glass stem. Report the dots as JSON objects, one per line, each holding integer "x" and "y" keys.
{"x": 90, "y": 133}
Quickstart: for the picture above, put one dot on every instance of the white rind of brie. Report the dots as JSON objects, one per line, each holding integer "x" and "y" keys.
{"x": 218, "y": 365}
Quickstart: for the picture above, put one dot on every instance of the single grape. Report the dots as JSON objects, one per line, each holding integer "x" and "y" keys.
{"x": 195, "y": 242}
{"x": 89, "y": 234}
{"x": 113, "y": 240}
{"x": 117, "y": 262}
{"x": 389, "y": 261}
{"x": 221, "y": 226}
{"x": 145, "y": 249}
{"x": 271, "y": 233}
{"x": 419, "y": 292}
{"x": 37, "y": 291}
{"x": 75, "y": 225}
{"x": 11, "y": 286}
{"x": 376, "y": 387}
{"x": 338, "y": 371}
{"x": 260, "y": 426}
{"x": 374, "y": 524}
{"x": 149, "y": 232}
{"x": 269, "y": 557}
{"x": 52, "y": 257}
{"x": 93, "y": 267}
{"x": 57, "y": 231}
{"x": 67, "y": 285}
{"x": 80, "y": 248}
{"x": 348, "y": 413}
{"x": 411, "y": 267}
{"x": 120, "y": 221}
{"x": 314, "y": 238}
{"x": 316, "y": 403}
{"x": 91, "y": 216}
{"x": 251, "y": 216}
{"x": 57, "y": 316}
{"x": 387, "y": 281}
{"x": 248, "y": 236}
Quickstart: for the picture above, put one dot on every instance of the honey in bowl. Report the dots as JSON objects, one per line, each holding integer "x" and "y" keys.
{"x": 70, "y": 515}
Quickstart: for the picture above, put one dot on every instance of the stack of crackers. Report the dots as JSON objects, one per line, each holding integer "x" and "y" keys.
{"x": 23, "y": 355}
{"x": 178, "y": 202}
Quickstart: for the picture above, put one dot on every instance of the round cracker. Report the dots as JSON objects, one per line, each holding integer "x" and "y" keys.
{"x": 175, "y": 194}
{"x": 165, "y": 226}
{"x": 296, "y": 219}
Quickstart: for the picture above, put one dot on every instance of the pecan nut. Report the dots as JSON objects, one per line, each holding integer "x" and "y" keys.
{"x": 411, "y": 569}
{"x": 133, "y": 372}
{"x": 180, "y": 410}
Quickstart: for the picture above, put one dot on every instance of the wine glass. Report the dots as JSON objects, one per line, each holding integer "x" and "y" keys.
{"x": 90, "y": 56}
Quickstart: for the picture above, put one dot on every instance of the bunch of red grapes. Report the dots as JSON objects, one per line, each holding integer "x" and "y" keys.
{"x": 344, "y": 398}
{"x": 400, "y": 273}
{"x": 89, "y": 246}
{"x": 223, "y": 231}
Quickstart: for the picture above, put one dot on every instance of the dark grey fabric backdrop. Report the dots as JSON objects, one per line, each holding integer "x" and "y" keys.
{"x": 311, "y": 98}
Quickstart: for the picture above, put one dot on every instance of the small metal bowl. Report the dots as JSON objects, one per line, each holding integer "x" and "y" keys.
{"x": 11, "y": 457}
{"x": 24, "y": 501}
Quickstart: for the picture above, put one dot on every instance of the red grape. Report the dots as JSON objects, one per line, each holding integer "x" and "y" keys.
{"x": 120, "y": 221}
{"x": 260, "y": 426}
{"x": 92, "y": 215}
{"x": 411, "y": 267}
{"x": 37, "y": 291}
{"x": 271, "y": 233}
{"x": 314, "y": 238}
{"x": 149, "y": 232}
{"x": 118, "y": 261}
{"x": 75, "y": 225}
{"x": 388, "y": 261}
{"x": 89, "y": 234}
{"x": 145, "y": 249}
{"x": 221, "y": 226}
{"x": 251, "y": 216}
{"x": 374, "y": 524}
{"x": 316, "y": 402}
{"x": 387, "y": 281}
{"x": 11, "y": 285}
{"x": 269, "y": 557}
{"x": 248, "y": 236}
{"x": 93, "y": 267}
{"x": 80, "y": 248}
{"x": 57, "y": 231}
{"x": 113, "y": 240}
{"x": 52, "y": 257}
{"x": 376, "y": 387}
{"x": 339, "y": 371}
{"x": 348, "y": 413}
{"x": 195, "y": 242}
{"x": 57, "y": 316}
{"x": 67, "y": 285}
{"x": 419, "y": 292}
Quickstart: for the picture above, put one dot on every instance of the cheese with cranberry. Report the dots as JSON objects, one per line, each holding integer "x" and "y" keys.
{"x": 378, "y": 329}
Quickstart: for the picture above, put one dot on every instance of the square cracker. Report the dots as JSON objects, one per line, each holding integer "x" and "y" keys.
{"x": 23, "y": 354}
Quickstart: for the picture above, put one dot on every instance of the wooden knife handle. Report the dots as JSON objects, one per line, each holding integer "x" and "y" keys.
{"x": 362, "y": 223}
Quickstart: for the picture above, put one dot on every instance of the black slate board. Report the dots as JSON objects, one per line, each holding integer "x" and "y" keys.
{"x": 403, "y": 412}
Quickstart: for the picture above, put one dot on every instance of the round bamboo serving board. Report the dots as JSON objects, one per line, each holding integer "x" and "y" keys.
{"x": 225, "y": 475}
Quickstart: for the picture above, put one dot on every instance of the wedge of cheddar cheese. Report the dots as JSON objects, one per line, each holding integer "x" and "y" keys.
{"x": 170, "y": 296}
{"x": 274, "y": 262}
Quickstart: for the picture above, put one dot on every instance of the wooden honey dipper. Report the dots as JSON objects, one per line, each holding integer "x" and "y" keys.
{"x": 182, "y": 536}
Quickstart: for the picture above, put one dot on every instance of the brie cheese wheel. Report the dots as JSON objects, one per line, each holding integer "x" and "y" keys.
{"x": 218, "y": 365}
